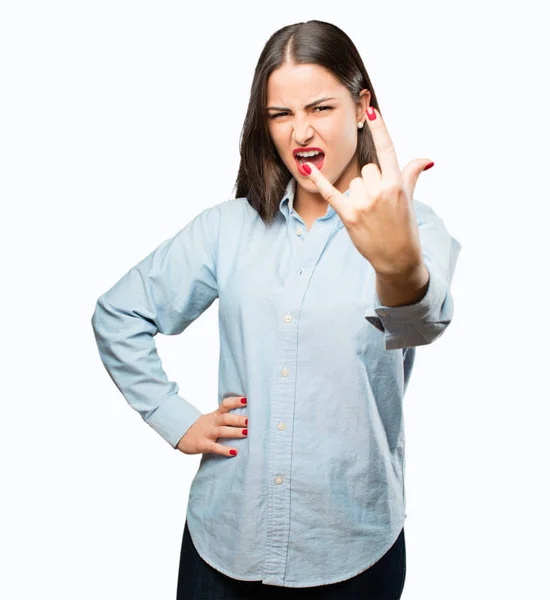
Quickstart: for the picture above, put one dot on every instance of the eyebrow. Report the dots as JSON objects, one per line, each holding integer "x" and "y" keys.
{"x": 306, "y": 106}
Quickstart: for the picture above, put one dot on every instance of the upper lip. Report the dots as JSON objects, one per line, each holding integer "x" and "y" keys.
{"x": 308, "y": 149}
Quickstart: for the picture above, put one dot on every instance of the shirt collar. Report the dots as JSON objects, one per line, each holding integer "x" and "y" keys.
{"x": 287, "y": 203}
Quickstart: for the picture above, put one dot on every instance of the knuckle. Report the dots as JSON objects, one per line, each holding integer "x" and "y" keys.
{"x": 366, "y": 169}
{"x": 392, "y": 188}
{"x": 353, "y": 218}
{"x": 386, "y": 145}
{"x": 332, "y": 194}
{"x": 376, "y": 195}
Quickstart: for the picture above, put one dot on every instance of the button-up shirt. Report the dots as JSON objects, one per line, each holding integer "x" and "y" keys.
{"x": 316, "y": 492}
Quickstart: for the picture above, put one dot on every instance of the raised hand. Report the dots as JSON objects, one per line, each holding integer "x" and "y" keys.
{"x": 379, "y": 214}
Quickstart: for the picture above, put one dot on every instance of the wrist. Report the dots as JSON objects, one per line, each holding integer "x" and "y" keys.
{"x": 406, "y": 287}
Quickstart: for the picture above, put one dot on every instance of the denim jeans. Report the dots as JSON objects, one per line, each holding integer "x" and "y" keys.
{"x": 197, "y": 580}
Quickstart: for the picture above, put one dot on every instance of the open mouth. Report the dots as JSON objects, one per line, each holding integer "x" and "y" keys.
{"x": 317, "y": 160}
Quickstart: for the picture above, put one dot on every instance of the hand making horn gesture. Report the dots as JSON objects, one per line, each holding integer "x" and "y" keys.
{"x": 379, "y": 213}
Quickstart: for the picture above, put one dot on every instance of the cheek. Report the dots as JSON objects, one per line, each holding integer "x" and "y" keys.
{"x": 342, "y": 144}
{"x": 338, "y": 132}
{"x": 348, "y": 136}
{"x": 277, "y": 138}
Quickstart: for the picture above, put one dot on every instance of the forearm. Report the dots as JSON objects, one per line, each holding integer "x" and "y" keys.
{"x": 404, "y": 290}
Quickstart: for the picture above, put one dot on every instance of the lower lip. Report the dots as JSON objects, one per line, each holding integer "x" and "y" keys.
{"x": 319, "y": 165}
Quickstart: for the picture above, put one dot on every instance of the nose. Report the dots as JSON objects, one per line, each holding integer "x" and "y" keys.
{"x": 302, "y": 132}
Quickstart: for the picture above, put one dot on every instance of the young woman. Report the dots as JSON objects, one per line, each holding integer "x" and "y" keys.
{"x": 328, "y": 275}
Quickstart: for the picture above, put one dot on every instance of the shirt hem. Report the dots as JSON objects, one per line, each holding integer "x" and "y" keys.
{"x": 296, "y": 584}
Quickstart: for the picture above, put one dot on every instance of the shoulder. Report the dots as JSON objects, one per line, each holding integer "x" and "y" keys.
{"x": 217, "y": 220}
{"x": 229, "y": 210}
{"x": 238, "y": 208}
{"x": 211, "y": 218}
{"x": 233, "y": 214}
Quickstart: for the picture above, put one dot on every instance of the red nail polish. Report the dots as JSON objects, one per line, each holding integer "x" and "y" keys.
{"x": 243, "y": 400}
{"x": 428, "y": 166}
{"x": 370, "y": 113}
{"x": 307, "y": 169}
{"x": 246, "y": 422}
{"x": 233, "y": 452}
{"x": 245, "y": 431}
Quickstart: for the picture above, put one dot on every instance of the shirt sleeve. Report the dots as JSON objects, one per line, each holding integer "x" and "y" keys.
{"x": 165, "y": 292}
{"x": 424, "y": 321}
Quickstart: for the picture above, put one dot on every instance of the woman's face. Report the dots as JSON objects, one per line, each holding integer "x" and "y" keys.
{"x": 330, "y": 125}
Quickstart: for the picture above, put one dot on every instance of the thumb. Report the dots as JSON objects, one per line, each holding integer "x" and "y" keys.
{"x": 412, "y": 172}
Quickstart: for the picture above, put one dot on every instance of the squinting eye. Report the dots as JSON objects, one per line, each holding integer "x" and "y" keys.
{"x": 285, "y": 113}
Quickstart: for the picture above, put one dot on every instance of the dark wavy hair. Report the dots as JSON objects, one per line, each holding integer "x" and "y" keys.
{"x": 263, "y": 176}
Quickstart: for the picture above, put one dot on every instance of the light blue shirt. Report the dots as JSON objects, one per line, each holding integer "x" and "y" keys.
{"x": 316, "y": 492}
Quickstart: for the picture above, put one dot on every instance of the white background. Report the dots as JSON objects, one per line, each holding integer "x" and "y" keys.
{"x": 120, "y": 121}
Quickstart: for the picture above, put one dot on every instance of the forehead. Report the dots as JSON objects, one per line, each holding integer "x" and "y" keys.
{"x": 300, "y": 83}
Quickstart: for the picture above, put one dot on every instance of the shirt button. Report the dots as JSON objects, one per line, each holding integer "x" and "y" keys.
{"x": 288, "y": 318}
{"x": 279, "y": 480}
{"x": 281, "y": 425}
{"x": 299, "y": 231}
{"x": 284, "y": 372}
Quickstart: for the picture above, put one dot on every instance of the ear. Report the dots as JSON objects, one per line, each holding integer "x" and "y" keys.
{"x": 362, "y": 104}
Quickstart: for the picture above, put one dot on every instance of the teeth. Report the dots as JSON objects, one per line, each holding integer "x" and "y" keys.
{"x": 307, "y": 154}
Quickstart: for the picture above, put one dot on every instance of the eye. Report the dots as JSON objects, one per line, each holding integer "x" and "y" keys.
{"x": 274, "y": 116}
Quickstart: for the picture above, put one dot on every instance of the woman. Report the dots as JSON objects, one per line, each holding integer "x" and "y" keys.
{"x": 328, "y": 275}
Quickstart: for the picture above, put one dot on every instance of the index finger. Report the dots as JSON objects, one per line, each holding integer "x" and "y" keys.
{"x": 327, "y": 190}
{"x": 385, "y": 150}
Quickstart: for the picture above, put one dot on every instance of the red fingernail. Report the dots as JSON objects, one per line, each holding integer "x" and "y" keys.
{"x": 243, "y": 400}
{"x": 370, "y": 113}
{"x": 246, "y": 422}
{"x": 307, "y": 169}
{"x": 245, "y": 431}
{"x": 428, "y": 166}
{"x": 233, "y": 452}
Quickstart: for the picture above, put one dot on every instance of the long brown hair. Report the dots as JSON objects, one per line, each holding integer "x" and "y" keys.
{"x": 263, "y": 176}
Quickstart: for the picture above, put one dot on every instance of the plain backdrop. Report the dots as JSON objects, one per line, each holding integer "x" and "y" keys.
{"x": 119, "y": 122}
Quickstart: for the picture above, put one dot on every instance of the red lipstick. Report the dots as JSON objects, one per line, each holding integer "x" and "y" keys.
{"x": 316, "y": 160}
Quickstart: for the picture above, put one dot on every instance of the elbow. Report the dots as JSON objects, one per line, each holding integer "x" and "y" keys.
{"x": 98, "y": 309}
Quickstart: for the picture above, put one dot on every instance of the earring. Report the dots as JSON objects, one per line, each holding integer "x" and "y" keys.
{"x": 360, "y": 125}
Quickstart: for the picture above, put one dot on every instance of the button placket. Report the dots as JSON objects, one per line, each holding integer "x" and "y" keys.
{"x": 302, "y": 265}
